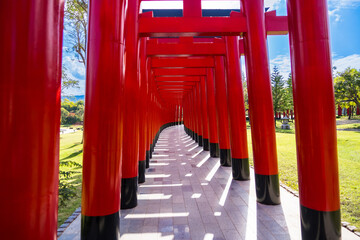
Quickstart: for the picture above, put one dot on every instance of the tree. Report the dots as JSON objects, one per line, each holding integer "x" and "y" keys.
{"x": 64, "y": 115}
{"x": 67, "y": 82}
{"x": 288, "y": 97}
{"x": 278, "y": 90}
{"x": 347, "y": 89}
{"x": 76, "y": 18}
{"x": 245, "y": 90}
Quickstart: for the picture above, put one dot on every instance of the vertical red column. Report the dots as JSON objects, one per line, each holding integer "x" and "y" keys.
{"x": 211, "y": 110}
{"x": 148, "y": 112}
{"x": 222, "y": 112}
{"x": 260, "y": 104}
{"x": 103, "y": 122}
{"x": 236, "y": 108}
{"x": 199, "y": 113}
{"x": 194, "y": 114}
{"x": 131, "y": 108}
{"x": 204, "y": 114}
{"x": 357, "y": 111}
{"x": 143, "y": 111}
{"x": 316, "y": 144}
{"x": 30, "y": 72}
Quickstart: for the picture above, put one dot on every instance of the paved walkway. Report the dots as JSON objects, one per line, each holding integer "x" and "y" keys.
{"x": 187, "y": 195}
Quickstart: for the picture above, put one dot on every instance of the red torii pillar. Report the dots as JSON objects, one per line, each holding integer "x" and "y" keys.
{"x": 260, "y": 104}
{"x": 30, "y": 73}
{"x": 211, "y": 113}
{"x": 199, "y": 113}
{"x": 148, "y": 112}
{"x": 316, "y": 144}
{"x": 204, "y": 114}
{"x": 131, "y": 111}
{"x": 236, "y": 105}
{"x": 142, "y": 111}
{"x": 103, "y": 131}
{"x": 222, "y": 111}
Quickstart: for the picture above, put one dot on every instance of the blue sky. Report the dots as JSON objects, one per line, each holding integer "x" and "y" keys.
{"x": 344, "y": 19}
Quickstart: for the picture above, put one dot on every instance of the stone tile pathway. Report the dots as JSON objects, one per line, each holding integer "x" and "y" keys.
{"x": 187, "y": 195}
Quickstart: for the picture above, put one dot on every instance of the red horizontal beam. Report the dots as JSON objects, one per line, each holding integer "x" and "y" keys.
{"x": 185, "y": 49}
{"x": 180, "y": 72}
{"x": 177, "y": 79}
{"x": 234, "y": 25}
{"x": 182, "y": 62}
{"x": 188, "y": 47}
{"x": 191, "y": 26}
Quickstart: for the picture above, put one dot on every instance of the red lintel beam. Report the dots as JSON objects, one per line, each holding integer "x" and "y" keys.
{"x": 182, "y": 62}
{"x": 234, "y": 25}
{"x": 185, "y": 27}
{"x": 180, "y": 72}
{"x": 185, "y": 49}
{"x": 276, "y": 25}
{"x": 176, "y": 83}
{"x": 177, "y": 79}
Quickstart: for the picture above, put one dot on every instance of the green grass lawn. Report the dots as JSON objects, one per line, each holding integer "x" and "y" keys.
{"x": 349, "y": 169}
{"x": 71, "y": 161}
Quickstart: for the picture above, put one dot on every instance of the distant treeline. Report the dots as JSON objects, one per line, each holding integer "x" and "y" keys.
{"x": 72, "y": 112}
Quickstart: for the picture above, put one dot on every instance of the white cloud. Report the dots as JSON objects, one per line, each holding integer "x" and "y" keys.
{"x": 76, "y": 71}
{"x": 336, "y": 5}
{"x": 283, "y": 64}
{"x": 272, "y": 4}
{"x": 341, "y": 64}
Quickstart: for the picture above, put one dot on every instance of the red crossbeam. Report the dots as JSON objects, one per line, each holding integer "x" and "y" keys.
{"x": 182, "y": 62}
{"x": 180, "y": 72}
{"x": 234, "y": 25}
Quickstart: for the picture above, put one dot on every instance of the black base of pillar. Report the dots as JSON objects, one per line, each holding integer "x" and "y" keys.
{"x": 142, "y": 168}
{"x": 240, "y": 169}
{"x": 129, "y": 192}
{"x": 100, "y": 227}
{"x": 147, "y": 159}
{"x": 196, "y": 137}
{"x": 151, "y": 150}
{"x": 225, "y": 157}
{"x": 214, "y": 150}
{"x": 206, "y": 144}
{"x": 267, "y": 189}
{"x": 319, "y": 224}
{"x": 200, "y": 141}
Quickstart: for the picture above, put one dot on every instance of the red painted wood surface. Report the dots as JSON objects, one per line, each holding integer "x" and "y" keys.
{"x": 30, "y": 72}
{"x": 259, "y": 90}
{"x": 236, "y": 105}
{"x": 103, "y": 119}
{"x": 313, "y": 89}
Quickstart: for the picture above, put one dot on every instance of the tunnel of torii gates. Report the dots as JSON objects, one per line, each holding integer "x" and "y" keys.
{"x": 146, "y": 73}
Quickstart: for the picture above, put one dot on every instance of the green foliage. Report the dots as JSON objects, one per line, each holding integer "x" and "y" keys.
{"x": 76, "y": 17}
{"x": 245, "y": 90}
{"x": 288, "y": 97}
{"x": 66, "y": 192}
{"x": 71, "y": 112}
{"x": 71, "y": 174}
{"x": 64, "y": 114}
{"x": 347, "y": 89}
{"x": 70, "y": 164}
{"x": 278, "y": 90}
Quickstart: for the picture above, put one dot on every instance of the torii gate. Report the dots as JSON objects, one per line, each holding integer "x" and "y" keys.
{"x": 114, "y": 140}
